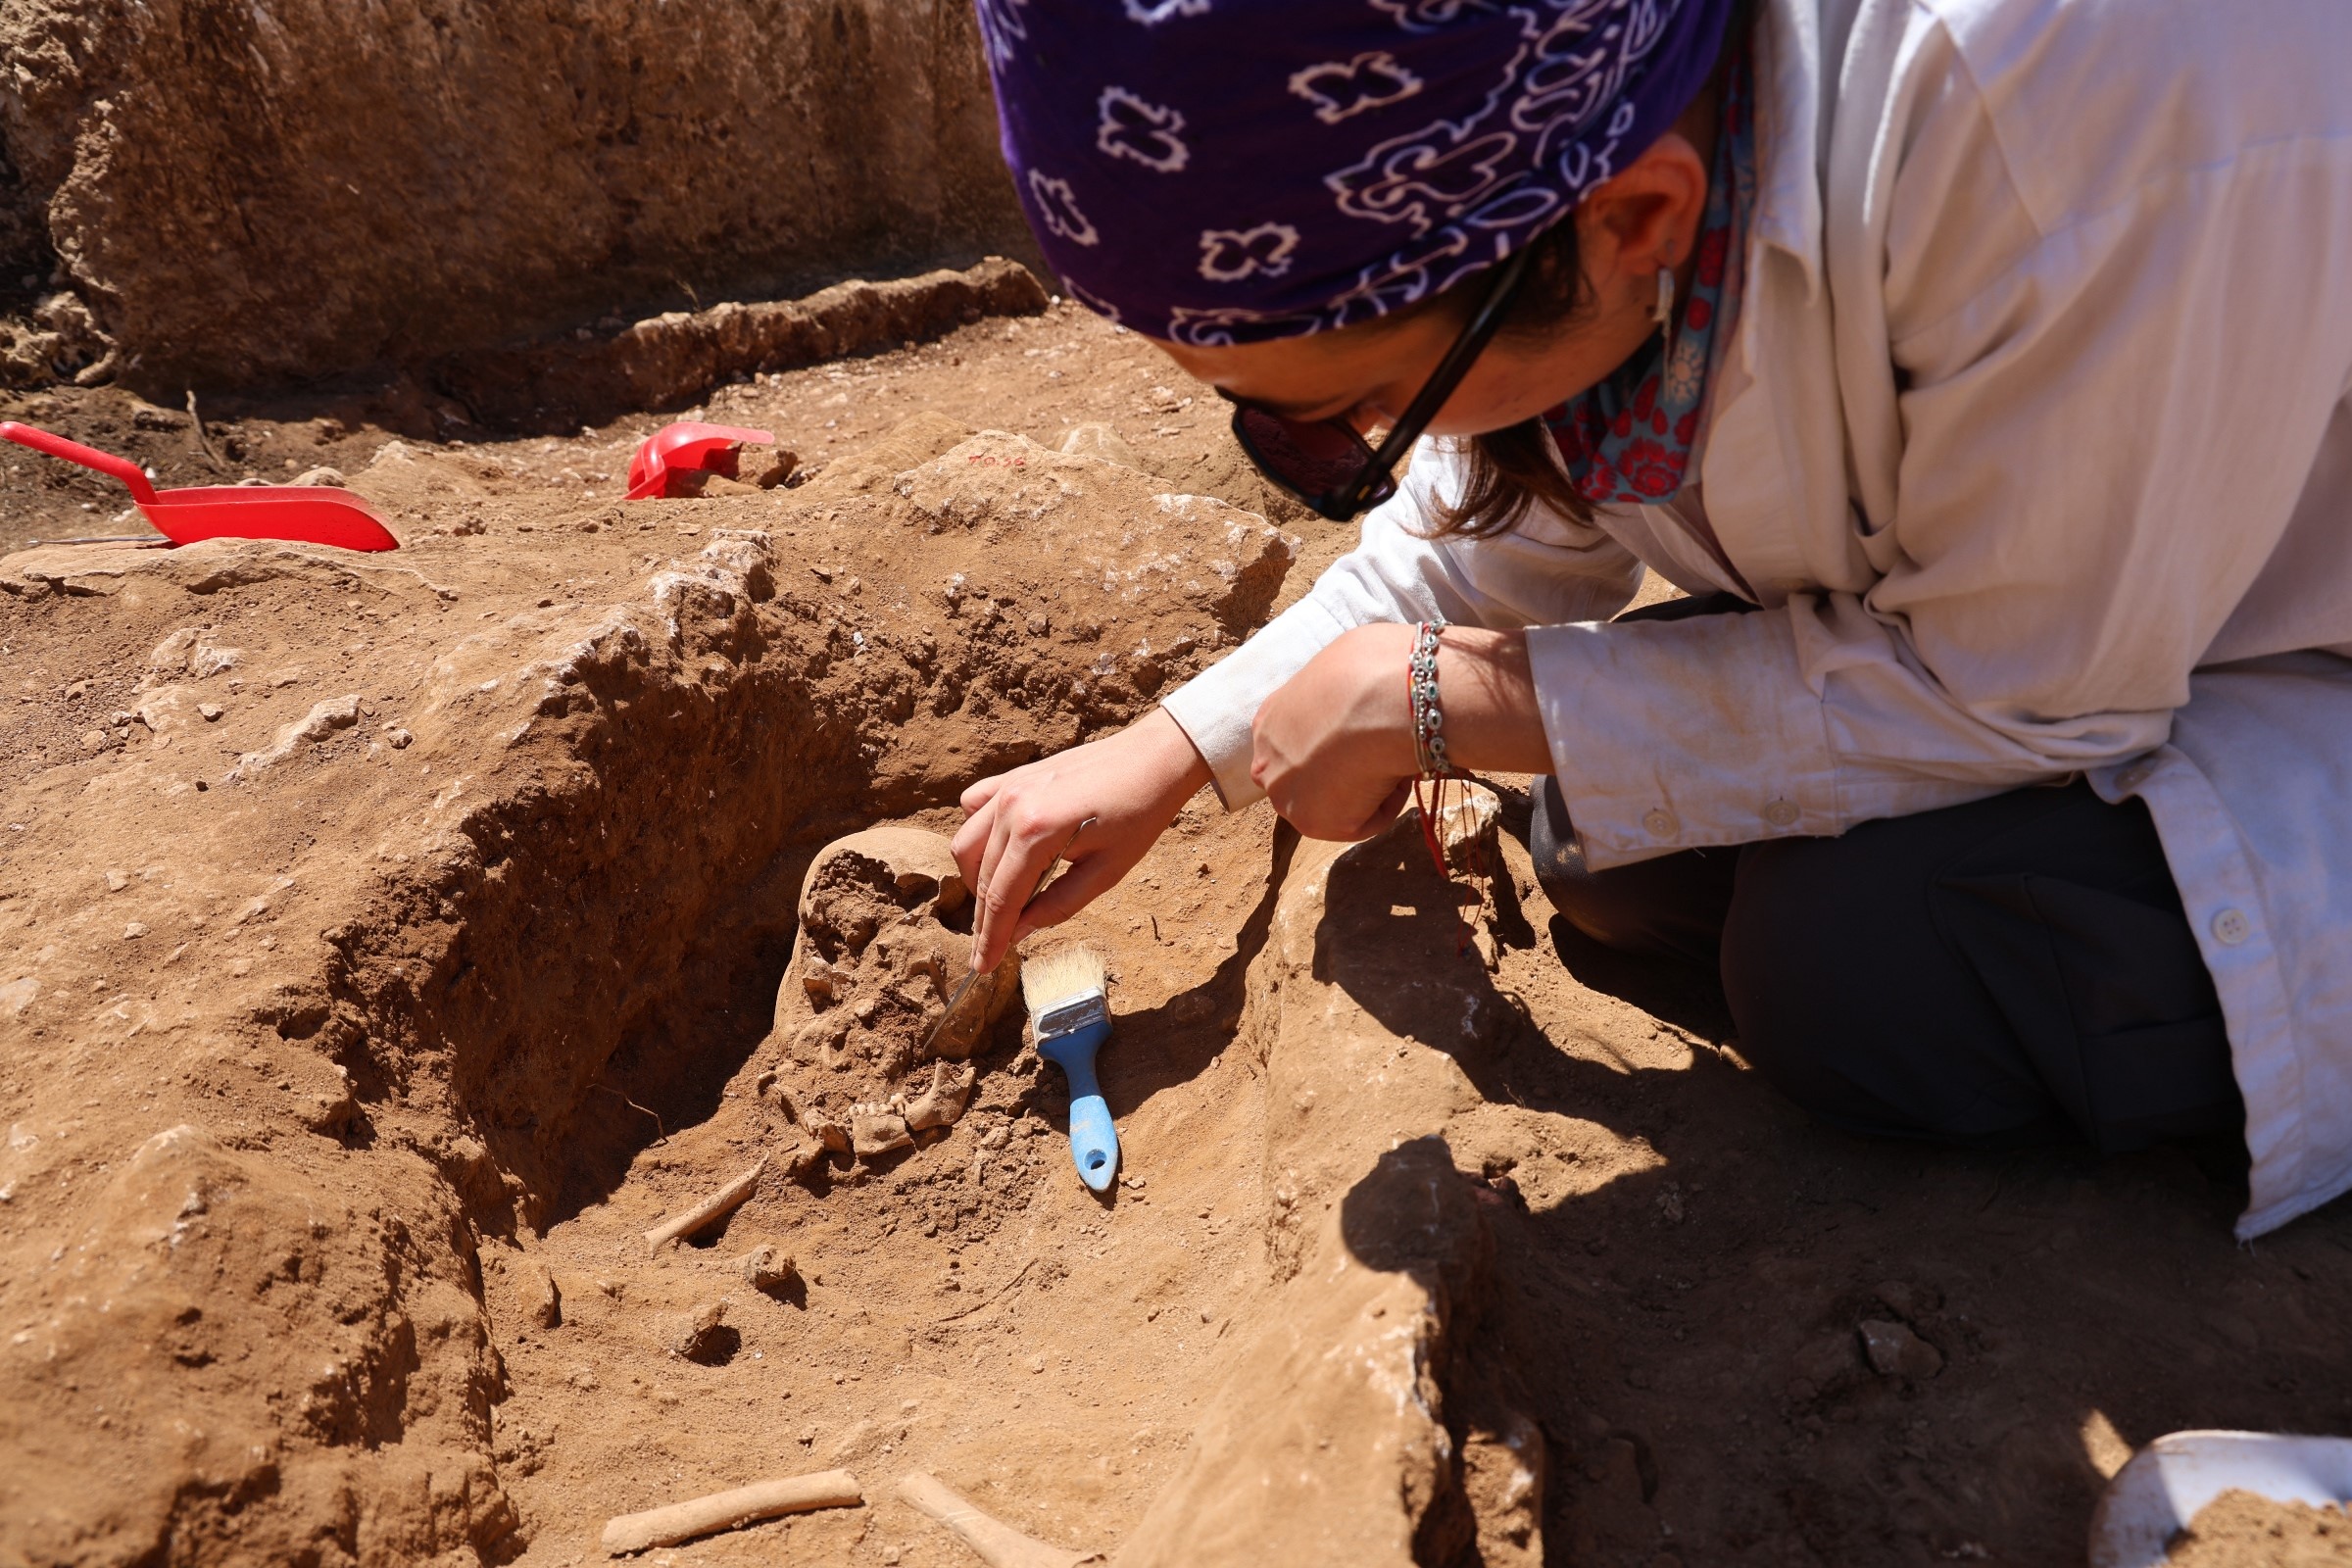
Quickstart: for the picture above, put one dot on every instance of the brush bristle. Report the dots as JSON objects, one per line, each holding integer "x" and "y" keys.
{"x": 1057, "y": 978}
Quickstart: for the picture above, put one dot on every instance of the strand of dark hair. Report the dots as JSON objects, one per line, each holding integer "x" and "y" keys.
{"x": 1509, "y": 472}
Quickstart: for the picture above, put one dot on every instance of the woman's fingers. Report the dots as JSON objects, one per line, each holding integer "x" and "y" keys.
{"x": 1029, "y": 846}
{"x": 1381, "y": 816}
{"x": 985, "y": 791}
{"x": 1333, "y": 746}
{"x": 988, "y": 885}
{"x": 1100, "y": 805}
{"x": 971, "y": 840}
{"x": 1087, "y": 880}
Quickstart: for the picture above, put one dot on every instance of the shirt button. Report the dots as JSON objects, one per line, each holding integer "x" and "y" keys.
{"x": 1781, "y": 814}
{"x": 1660, "y": 822}
{"x": 2231, "y": 927}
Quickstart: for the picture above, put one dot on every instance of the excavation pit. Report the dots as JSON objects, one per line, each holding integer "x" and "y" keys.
{"x": 346, "y": 1065}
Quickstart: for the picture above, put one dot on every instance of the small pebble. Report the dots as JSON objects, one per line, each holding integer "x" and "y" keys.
{"x": 210, "y": 711}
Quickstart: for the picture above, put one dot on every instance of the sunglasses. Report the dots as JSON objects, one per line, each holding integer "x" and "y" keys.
{"x": 1327, "y": 463}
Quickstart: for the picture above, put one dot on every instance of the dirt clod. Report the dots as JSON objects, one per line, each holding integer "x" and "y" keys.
{"x": 703, "y": 1335}
{"x": 766, "y": 1268}
{"x": 1894, "y": 1351}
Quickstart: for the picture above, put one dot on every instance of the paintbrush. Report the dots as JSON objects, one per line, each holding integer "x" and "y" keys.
{"x": 1069, "y": 1012}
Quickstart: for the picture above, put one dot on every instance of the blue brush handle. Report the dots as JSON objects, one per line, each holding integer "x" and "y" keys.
{"x": 1094, "y": 1139}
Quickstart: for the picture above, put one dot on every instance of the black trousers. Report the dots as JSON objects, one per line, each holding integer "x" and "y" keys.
{"x": 2014, "y": 970}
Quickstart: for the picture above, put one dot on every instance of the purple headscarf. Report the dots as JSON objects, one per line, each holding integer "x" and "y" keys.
{"x": 1217, "y": 172}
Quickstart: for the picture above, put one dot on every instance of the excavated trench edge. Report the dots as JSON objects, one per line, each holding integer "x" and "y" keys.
{"x": 628, "y": 903}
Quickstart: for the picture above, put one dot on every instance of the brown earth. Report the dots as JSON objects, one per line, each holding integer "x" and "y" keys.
{"x": 349, "y": 1041}
{"x": 220, "y": 195}
{"x": 2241, "y": 1530}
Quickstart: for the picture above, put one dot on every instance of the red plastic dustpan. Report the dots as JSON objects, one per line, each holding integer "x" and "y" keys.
{"x": 310, "y": 513}
{"x": 687, "y": 447}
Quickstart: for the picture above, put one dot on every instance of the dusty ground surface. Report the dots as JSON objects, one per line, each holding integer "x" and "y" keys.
{"x": 349, "y": 1039}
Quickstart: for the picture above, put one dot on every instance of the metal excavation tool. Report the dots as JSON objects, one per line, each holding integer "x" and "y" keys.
{"x": 307, "y": 514}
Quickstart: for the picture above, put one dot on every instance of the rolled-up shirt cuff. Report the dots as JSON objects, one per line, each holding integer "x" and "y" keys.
{"x": 1679, "y": 735}
{"x": 1216, "y": 707}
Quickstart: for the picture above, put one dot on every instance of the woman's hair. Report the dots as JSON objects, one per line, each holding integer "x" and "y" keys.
{"x": 1509, "y": 470}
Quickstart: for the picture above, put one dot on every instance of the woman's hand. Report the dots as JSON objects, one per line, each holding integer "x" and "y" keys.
{"x": 1333, "y": 748}
{"x": 1100, "y": 806}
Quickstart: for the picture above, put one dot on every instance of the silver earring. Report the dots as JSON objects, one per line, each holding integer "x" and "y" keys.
{"x": 1664, "y": 313}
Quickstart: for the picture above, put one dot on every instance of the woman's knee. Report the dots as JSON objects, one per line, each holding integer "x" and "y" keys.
{"x": 1847, "y": 1002}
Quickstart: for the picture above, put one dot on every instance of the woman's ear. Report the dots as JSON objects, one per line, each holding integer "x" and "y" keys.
{"x": 1644, "y": 218}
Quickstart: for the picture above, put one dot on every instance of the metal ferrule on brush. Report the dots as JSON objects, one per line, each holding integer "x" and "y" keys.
{"x": 1069, "y": 1017}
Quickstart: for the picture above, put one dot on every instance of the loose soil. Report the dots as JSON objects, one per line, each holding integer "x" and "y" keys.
{"x": 2238, "y": 1528}
{"x": 386, "y": 942}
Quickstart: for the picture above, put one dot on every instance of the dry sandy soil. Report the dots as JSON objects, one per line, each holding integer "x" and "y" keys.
{"x": 386, "y": 942}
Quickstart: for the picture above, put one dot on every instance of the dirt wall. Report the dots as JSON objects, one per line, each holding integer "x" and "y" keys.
{"x": 247, "y": 195}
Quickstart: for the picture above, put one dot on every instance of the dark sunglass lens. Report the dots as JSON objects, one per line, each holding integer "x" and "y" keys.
{"x": 1312, "y": 459}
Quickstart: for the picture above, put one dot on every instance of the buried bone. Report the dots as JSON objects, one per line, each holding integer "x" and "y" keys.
{"x": 943, "y": 1103}
{"x": 877, "y": 1130}
{"x": 724, "y": 1202}
{"x": 875, "y": 1017}
{"x": 730, "y": 1510}
{"x": 996, "y": 1543}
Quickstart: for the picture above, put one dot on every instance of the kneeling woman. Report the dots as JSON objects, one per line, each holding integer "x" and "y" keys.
{"x": 1984, "y": 374}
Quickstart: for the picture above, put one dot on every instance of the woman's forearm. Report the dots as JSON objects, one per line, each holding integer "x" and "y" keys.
{"x": 1487, "y": 692}
{"x": 1334, "y": 747}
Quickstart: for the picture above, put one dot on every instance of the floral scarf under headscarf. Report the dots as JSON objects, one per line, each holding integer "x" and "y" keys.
{"x": 1628, "y": 439}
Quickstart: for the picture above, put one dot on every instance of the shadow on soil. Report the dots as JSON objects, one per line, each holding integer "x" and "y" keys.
{"x": 1688, "y": 1329}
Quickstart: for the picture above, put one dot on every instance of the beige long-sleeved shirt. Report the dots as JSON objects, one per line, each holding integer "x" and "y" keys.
{"x": 2034, "y": 440}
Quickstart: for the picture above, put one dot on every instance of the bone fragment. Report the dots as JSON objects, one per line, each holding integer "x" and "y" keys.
{"x": 877, "y": 1130}
{"x": 998, "y": 1545}
{"x": 696, "y": 1336}
{"x": 806, "y": 1153}
{"x": 764, "y": 1269}
{"x": 819, "y": 1038}
{"x": 729, "y": 1510}
{"x": 725, "y": 1201}
{"x": 828, "y": 1132}
{"x": 941, "y": 1105}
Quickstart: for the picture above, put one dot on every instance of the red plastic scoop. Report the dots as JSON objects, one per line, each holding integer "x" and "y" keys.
{"x": 310, "y": 513}
{"x": 687, "y": 447}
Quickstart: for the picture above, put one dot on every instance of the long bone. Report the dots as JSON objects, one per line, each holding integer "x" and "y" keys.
{"x": 725, "y": 1201}
{"x": 998, "y": 1543}
{"x": 729, "y": 1510}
